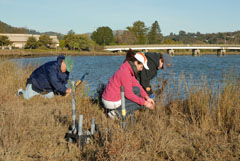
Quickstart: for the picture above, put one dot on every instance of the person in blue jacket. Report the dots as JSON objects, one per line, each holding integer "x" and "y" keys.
{"x": 49, "y": 79}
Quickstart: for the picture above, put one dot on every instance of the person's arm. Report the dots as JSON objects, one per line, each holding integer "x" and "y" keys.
{"x": 150, "y": 100}
{"x": 145, "y": 100}
{"x": 145, "y": 79}
{"x": 54, "y": 80}
{"x": 127, "y": 82}
{"x": 143, "y": 94}
{"x": 149, "y": 105}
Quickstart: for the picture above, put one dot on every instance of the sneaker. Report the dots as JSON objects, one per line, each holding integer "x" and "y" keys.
{"x": 114, "y": 114}
{"x": 20, "y": 92}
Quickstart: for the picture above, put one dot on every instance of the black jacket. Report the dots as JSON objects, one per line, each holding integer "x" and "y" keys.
{"x": 147, "y": 75}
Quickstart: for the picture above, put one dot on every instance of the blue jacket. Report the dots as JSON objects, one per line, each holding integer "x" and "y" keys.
{"x": 48, "y": 77}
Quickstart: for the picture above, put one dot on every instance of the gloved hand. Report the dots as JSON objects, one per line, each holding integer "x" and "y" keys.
{"x": 152, "y": 96}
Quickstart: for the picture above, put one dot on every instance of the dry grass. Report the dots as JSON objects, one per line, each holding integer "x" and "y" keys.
{"x": 203, "y": 127}
{"x": 50, "y": 52}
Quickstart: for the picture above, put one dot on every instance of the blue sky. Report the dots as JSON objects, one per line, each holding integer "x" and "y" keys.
{"x": 84, "y": 16}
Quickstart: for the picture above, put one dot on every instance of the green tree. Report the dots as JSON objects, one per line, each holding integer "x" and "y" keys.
{"x": 70, "y": 40}
{"x": 31, "y": 43}
{"x": 103, "y": 36}
{"x": 78, "y": 42}
{"x": 45, "y": 41}
{"x": 61, "y": 44}
{"x": 169, "y": 41}
{"x": 140, "y": 31}
{"x": 83, "y": 42}
{"x": 4, "y": 41}
{"x": 182, "y": 33}
{"x": 154, "y": 35}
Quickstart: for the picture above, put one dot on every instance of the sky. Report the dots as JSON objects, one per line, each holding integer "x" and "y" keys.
{"x": 85, "y": 16}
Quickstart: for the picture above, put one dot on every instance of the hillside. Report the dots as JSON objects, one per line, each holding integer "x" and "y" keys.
{"x": 5, "y": 28}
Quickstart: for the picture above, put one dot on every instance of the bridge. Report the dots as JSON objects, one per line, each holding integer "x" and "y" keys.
{"x": 220, "y": 48}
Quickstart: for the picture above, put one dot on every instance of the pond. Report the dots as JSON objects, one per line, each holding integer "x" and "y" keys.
{"x": 101, "y": 68}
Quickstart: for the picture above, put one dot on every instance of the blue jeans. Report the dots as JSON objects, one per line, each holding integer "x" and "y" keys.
{"x": 29, "y": 93}
{"x": 131, "y": 106}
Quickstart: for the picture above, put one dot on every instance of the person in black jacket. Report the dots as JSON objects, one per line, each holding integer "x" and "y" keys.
{"x": 155, "y": 61}
{"x": 49, "y": 79}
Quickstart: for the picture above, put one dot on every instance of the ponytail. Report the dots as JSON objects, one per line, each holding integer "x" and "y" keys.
{"x": 130, "y": 56}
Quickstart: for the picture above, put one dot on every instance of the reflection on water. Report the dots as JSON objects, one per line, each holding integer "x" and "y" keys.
{"x": 101, "y": 68}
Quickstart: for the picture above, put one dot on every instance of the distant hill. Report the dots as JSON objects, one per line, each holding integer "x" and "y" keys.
{"x": 5, "y": 28}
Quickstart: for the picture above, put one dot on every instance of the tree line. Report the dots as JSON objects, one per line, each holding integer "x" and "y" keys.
{"x": 137, "y": 33}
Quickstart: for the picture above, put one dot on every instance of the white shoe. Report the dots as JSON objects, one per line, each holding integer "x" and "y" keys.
{"x": 20, "y": 92}
{"x": 114, "y": 114}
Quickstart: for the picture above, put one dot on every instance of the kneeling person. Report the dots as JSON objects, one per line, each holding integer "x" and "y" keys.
{"x": 49, "y": 79}
{"x": 136, "y": 97}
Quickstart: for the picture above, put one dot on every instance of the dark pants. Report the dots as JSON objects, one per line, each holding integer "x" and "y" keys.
{"x": 131, "y": 106}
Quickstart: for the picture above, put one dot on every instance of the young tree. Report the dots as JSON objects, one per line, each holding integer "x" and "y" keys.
{"x": 103, "y": 36}
{"x": 70, "y": 40}
{"x": 45, "y": 41}
{"x": 140, "y": 30}
{"x": 31, "y": 43}
{"x": 62, "y": 44}
{"x": 4, "y": 41}
{"x": 154, "y": 35}
{"x": 169, "y": 41}
{"x": 78, "y": 42}
{"x": 83, "y": 42}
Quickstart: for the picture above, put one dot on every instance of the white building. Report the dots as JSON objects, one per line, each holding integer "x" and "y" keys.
{"x": 19, "y": 40}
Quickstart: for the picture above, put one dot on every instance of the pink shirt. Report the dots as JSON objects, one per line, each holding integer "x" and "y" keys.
{"x": 124, "y": 76}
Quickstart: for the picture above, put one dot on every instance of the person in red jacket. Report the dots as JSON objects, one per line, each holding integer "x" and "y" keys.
{"x": 136, "y": 97}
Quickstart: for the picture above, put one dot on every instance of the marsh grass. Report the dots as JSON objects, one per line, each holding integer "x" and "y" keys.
{"x": 16, "y": 53}
{"x": 205, "y": 126}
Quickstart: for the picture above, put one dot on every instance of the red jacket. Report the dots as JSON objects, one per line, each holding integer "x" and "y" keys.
{"x": 124, "y": 76}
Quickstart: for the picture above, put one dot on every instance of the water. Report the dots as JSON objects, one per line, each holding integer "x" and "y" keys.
{"x": 101, "y": 68}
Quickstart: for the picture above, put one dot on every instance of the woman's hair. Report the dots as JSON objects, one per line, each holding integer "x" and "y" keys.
{"x": 130, "y": 56}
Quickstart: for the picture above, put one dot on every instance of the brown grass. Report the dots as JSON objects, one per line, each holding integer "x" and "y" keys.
{"x": 203, "y": 127}
{"x": 51, "y": 52}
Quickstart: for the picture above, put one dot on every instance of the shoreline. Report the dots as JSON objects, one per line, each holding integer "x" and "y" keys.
{"x": 18, "y": 53}
{"x": 39, "y": 53}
